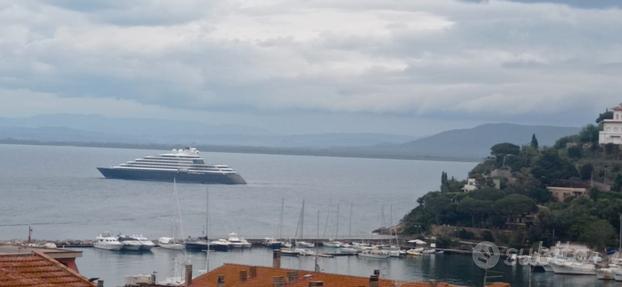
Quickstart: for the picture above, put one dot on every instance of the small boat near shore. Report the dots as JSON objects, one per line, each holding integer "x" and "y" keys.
{"x": 375, "y": 254}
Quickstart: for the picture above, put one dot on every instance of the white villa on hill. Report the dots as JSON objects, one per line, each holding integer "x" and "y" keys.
{"x": 612, "y": 128}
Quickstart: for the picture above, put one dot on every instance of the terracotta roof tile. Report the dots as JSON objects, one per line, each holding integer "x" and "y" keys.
{"x": 264, "y": 277}
{"x": 36, "y": 269}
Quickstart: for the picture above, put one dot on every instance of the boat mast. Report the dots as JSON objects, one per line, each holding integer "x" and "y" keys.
{"x": 337, "y": 229}
{"x": 180, "y": 228}
{"x": 281, "y": 219}
{"x": 207, "y": 228}
{"x": 302, "y": 220}
{"x": 350, "y": 222}
{"x": 316, "y": 245}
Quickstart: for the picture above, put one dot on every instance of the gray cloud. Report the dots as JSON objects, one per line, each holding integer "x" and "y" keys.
{"x": 503, "y": 61}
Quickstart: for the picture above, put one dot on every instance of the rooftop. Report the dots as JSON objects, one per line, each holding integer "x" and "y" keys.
{"x": 56, "y": 253}
{"x": 37, "y": 269}
{"x": 235, "y": 275}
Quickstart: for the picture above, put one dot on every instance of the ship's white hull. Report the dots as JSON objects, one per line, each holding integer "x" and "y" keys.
{"x": 573, "y": 268}
{"x": 605, "y": 274}
{"x": 108, "y": 246}
{"x": 304, "y": 244}
{"x": 375, "y": 254}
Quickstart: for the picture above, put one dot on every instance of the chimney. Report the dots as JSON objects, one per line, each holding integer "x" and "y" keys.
{"x": 243, "y": 275}
{"x": 188, "y": 275}
{"x": 292, "y": 276}
{"x": 100, "y": 283}
{"x": 220, "y": 282}
{"x": 278, "y": 281}
{"x": 276, "y": 259}
{"x": 316, "y": 284}
{"x": 252, "y": 272}
{"x": 373, "y": 279}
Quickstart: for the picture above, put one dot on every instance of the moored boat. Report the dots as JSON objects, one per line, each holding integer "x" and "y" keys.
{"x": 374, "y": 254}
{"x": 236, "y": 242}
{"x": 569, "y": 267}
{"x": 107, "y": 242}
{"x": 169, "y": 243}
{"x": 272, "y": 243}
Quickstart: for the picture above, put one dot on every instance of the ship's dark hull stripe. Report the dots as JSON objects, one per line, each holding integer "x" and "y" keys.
{"x": 164, "y": 175}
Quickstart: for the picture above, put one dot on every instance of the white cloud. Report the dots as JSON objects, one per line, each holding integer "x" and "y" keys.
{"x": 497, "y": 59}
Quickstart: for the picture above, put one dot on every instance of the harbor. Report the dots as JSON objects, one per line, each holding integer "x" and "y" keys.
{"x": 149, "y": 208}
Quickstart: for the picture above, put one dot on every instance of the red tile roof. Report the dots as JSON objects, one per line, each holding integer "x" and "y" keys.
{"x": 37, "y": 269}
{"x": 265, "y": 275}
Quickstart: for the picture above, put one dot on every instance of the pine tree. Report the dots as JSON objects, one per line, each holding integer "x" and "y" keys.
{"x": 534, "y": 141}
{"x": 444, "y": 186}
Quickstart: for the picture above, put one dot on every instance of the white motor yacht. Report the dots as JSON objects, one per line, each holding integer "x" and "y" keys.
{"x": 107, "y": 242}
{"x": 304, "y": 244}
{"x": 332, "y": 244}
{"x": 220, "y": 245}
{"x": 145, "y": 243}
{"x": 169, "y": 243}
{"x": 272, "y": 243}
{"x": 572, "y": 267}
{"x": 236, "y": 242}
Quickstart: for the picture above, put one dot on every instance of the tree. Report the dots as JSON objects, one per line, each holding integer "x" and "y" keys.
{"x": 586, "y": 171}
{"x": 504, "y": 149}
{"x": 515, "y": 205}
{"x": 474, "y": 208}
{"x": 534, "y": 142}
{"x": 589, "y": 134}
{"x": 575, "y": 152}
{"x": 617, "y": 183}
{"x": 598, "y": 234}
{"x": 550, "y": 168}
{"x": 607, "y": 115}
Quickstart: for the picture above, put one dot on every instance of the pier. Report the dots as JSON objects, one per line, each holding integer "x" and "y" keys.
{"x": 256, "y": 242}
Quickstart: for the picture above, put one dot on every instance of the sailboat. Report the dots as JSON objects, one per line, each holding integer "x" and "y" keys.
{"x": 170, "y": 242}
{"x": 333, "y": 243}
{"x": 301, "y": 220}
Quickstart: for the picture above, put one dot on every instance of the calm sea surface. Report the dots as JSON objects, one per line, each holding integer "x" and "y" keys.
{"x": 60, "y": 193}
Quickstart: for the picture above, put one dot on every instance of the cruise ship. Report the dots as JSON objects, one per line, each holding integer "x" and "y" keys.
{"x": 181, "y": 165}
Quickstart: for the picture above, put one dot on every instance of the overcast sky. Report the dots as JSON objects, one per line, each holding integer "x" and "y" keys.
{"x": 408, "y": 67}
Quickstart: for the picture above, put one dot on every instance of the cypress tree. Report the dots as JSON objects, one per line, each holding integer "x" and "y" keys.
{"x": 534, "y": 141}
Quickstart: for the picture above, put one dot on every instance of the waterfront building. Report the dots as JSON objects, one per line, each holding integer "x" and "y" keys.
{"x": 612, "y": 128}
{"x": 561, "y": 193}
{"x": 471, "y": 185}
{"x": 40, "y": 267}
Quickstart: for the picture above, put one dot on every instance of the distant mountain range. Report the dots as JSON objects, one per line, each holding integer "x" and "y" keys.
{"x": 459, "y": 144}
{"x": 476, "y": 142}
{"x": 94, "y": 128}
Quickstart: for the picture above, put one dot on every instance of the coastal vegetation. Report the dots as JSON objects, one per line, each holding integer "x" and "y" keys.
{"x": 512, "y": 200}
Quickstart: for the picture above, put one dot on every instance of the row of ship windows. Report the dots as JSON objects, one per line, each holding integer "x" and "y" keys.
{"x": 173, "y": 164}
{"x": 613, "y": 129}
{"x": 170, "y": 166}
